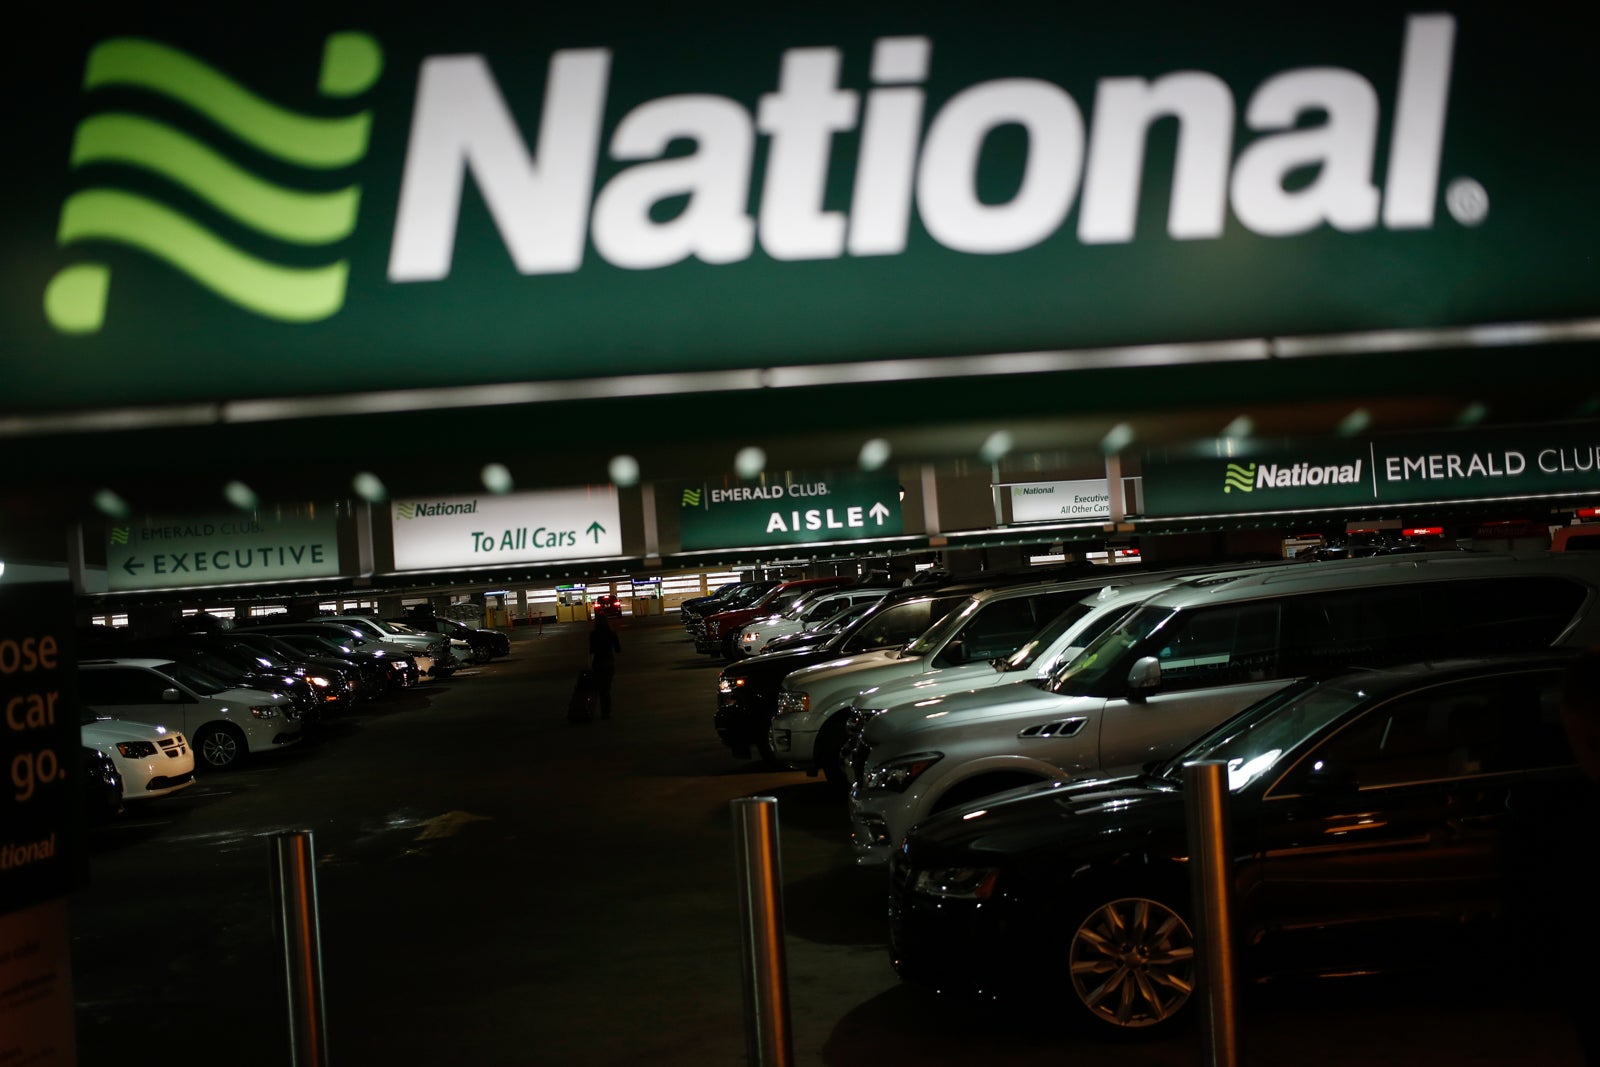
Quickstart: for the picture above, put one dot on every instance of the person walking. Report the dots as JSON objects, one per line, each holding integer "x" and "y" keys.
{"x": 603, "y": 649}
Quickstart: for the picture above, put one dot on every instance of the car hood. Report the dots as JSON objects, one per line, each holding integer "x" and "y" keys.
{"x": 251, "y": 696}
{"x": 967, "y": 676}
{"x": 1052, "y": 816}
{"x": 773, "y": 666}
{"x": 938, "y": 712}
{"x": 831, "y": 671}
{"x": 108, "y": 731}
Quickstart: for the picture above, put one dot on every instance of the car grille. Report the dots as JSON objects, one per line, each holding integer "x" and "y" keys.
{"x": 173, "y": 746}
{"x": 855, "y": 751}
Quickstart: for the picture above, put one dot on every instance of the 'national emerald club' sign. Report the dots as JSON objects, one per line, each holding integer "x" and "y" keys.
{"x": 1244, "y": 477}
{"x": 803, "y": 511}
{"x": 347, "y": 199}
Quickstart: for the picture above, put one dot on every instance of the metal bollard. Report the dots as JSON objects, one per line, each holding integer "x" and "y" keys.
{"x": 294, "y": 892}
{"x": 1205, "y": 790}
{"x": 769, "y": 1041}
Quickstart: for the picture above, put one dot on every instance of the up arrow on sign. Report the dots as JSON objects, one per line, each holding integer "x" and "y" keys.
{"x": 879, "y": 512}
{"x": 595, "y": 530}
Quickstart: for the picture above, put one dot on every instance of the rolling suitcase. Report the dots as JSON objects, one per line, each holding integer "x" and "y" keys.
{"x": 585, "y": 698}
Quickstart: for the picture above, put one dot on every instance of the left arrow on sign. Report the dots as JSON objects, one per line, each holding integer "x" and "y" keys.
{"x": 879, "y": 512}
{"x": 131, "y": 566}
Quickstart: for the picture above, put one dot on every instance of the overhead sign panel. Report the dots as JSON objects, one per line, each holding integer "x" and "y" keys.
{"x": 383, "y": 198}
{"x": 1084, "y": 499}
{"x": 484, "y": 530}
{"x": 805, "y": 511}
{"x": 173, "y": 553}
{"x": 1287, "y": 475}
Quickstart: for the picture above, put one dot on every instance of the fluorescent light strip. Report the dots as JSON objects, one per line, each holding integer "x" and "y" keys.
{"x": 757, "y": 549}
{"x": 1494, "y": 335}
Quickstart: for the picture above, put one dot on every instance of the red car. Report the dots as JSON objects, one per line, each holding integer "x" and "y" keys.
{"x": 606, "y": 604}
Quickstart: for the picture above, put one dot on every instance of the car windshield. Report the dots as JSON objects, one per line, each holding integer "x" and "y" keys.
{"x": 1024, "y": 657}
{"x": 891, "y": 627}
{"x": 1089, "y": 671}
{"x": 196, "y": 678}
{"x": 263, "y": 657}
{"x": 1254, "y": 741}
{"x": 745, "y": 597}
{"x": 935, "y": 636}
{"x": 844, "y": 619}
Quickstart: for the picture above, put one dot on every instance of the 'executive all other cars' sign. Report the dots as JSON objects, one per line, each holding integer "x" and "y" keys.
{"x": 326, "y": 199}
{"x": 485, "y": 530}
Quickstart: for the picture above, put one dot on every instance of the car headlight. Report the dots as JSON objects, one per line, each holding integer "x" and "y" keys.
{"x": 748, "y": 637}
{"x": 136, "y": 749}
{"x": 318, "y": 680}
{"x": 397, "y": 664}
{"x": 793, "y": 703}
{"x": 898, "y": 774}
{"x": 956, "y": 883}
{"x": 264, "y": 711}
{"x": 728, "y": 685}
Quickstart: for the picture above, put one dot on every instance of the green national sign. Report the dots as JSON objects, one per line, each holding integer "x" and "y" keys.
{"x": 799, "y": 512}
{"x": 1262, "y": 477}
{"x": 339, "y": 199}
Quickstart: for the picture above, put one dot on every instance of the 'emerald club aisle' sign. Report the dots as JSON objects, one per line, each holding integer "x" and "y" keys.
{"x": 806, "y": 511}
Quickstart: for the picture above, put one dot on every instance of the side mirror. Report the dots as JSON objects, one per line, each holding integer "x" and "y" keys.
{"x": 171, "y": 696}
{"x": 1144, "y": 678}
{"x": 955, "y": 652}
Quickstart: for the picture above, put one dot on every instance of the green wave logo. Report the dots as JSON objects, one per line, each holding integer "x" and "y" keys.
{"x": 75, "y": 299}
{"x": 1240, "y": 477}
{"x": 119, "y": 535}
{"x": 691, "y": 498}
{"x": 406, "y": 511}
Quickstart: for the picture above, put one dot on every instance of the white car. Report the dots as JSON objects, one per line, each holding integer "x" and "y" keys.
{"x": 805, "y": 616}
{"x": 153, "y": 760}
{"x": 224, "y": 724}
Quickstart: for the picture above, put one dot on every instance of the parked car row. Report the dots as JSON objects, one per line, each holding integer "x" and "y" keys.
{"x": 1390, "y": 725}
{"x": 155, "y": 709}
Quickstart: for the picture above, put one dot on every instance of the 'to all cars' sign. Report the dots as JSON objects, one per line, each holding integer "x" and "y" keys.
{"x": 807, "y": 511}
{"x": 470, "y": 194}
{"x": 477, "y": 531}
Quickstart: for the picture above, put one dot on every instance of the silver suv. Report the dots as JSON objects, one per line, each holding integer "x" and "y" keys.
{"x": 1196, "y": 654}
{"x": 808, "y": 732}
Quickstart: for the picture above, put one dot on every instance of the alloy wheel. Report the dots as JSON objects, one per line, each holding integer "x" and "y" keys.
{"x": 1132, "y": 963}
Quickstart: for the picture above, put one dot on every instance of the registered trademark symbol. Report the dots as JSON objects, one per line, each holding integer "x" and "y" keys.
{"x": 1468, "y": 201}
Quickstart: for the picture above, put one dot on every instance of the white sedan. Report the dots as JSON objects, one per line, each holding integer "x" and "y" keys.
{"x": 153, "y": 760}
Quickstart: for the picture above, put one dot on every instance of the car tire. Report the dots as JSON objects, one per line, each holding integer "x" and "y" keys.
{"x": 827, "y": 754}
{"x": 1131, "y": 963}
{"x": 219, "y": 747}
